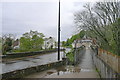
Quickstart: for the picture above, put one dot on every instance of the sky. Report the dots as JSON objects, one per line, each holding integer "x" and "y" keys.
{"x": 21, "y": 16}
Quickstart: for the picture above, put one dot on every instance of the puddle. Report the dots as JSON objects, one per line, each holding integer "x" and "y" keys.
{"x": 61, "y": 69}
{"x": 50, "y": 72}
{"x": 73, "y": 69}
{"x": 65, "y": 70}
{"x": 86, "y": 70}
{"x": 68, "y": 70}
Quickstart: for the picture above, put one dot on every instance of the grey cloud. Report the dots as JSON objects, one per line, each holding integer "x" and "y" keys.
{"x": 20, "y": 17}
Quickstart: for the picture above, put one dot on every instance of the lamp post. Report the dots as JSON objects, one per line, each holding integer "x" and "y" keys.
{"x": 59, "y": 32}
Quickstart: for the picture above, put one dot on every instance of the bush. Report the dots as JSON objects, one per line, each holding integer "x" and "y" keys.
{"x": 70, "y": 56}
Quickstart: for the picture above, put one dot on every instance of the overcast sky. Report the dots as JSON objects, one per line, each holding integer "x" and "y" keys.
{"x": 20, "y": 17}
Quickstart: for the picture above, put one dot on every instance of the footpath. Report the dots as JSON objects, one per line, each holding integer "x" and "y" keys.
{"x": 85, "y": 69}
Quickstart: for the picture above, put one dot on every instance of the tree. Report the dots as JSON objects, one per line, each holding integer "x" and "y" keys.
{"x": 7, "y": 40}
{"x": 0, "y": 44}
{"x": 63, "y": 43}
{"x": 31, "y": 40}
{"x": 100, "y": 20}
{"x": 80, "y": 35}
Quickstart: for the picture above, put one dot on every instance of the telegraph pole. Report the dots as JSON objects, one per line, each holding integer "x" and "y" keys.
{"x": 59, "y": 32}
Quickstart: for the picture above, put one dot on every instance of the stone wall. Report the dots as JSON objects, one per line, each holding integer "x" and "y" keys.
{"x": 31, "y": 70}
{"x": 78, "y": 54}
{"x": 25, "y": 54}
{"x": 107, "y": 64}
{"x": 111, "y": 59}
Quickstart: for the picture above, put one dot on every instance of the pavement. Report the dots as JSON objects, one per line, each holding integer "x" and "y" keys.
{"x": 85, "y": 69}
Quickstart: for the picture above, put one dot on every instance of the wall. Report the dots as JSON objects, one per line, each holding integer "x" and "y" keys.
{"x": 25, "y": 54}
{"x": 78, "y": 54}
{"x": 107, "y": 64}
{"x": 31, "y": 70}
{"x": 111, "y": 59}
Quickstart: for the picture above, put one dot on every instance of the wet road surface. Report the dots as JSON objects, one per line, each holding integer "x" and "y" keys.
{"x": 29, "y": 62}
{"x": 85, "y": 69}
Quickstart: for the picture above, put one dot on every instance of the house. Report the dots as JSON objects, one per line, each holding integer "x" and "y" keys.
{"x": 77, "y": 43}
{"x": 49, "y": 43}
{"x": 16, "y": 44}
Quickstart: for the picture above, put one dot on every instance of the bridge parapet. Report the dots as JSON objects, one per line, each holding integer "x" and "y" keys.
{"x": 111, "y": 59}
{"x": 107, "y": 64}
{"x": 30, "y": 70}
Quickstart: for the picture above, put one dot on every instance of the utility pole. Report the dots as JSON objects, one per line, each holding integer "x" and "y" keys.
{"x": 59, "y": 32}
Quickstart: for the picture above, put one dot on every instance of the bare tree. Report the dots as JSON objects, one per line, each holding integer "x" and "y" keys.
{"x": 100, "y": 19}
{"x": 7, "y": 40}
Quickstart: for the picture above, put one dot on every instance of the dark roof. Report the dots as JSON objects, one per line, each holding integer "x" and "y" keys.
{"x": 16, "y": 43}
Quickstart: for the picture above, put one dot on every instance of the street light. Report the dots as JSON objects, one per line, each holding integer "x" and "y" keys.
{"x": 59, "y": 32}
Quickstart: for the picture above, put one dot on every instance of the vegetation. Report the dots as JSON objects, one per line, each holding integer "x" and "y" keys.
{"x": 102, "y": 21}
{"x": 0, "y": 46}
{"x": 7, "y": 43}
{"x": 32, "y": 40}
{"x": 69, "y": 42}
{"x": 70, "y": 55}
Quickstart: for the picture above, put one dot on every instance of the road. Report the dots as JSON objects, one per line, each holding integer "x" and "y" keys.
{"x": 29, "y": 62}
{"x": 85, "y": 69}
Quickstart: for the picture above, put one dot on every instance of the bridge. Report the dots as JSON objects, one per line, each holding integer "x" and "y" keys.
{"x": 89, "y": 65}
{"x": 85, "y": 60}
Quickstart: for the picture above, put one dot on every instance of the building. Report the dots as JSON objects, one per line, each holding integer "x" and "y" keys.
{"x": 49, "y": 43}
{"x": 16, "y": 44}
{"x": 77, "y": 43}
